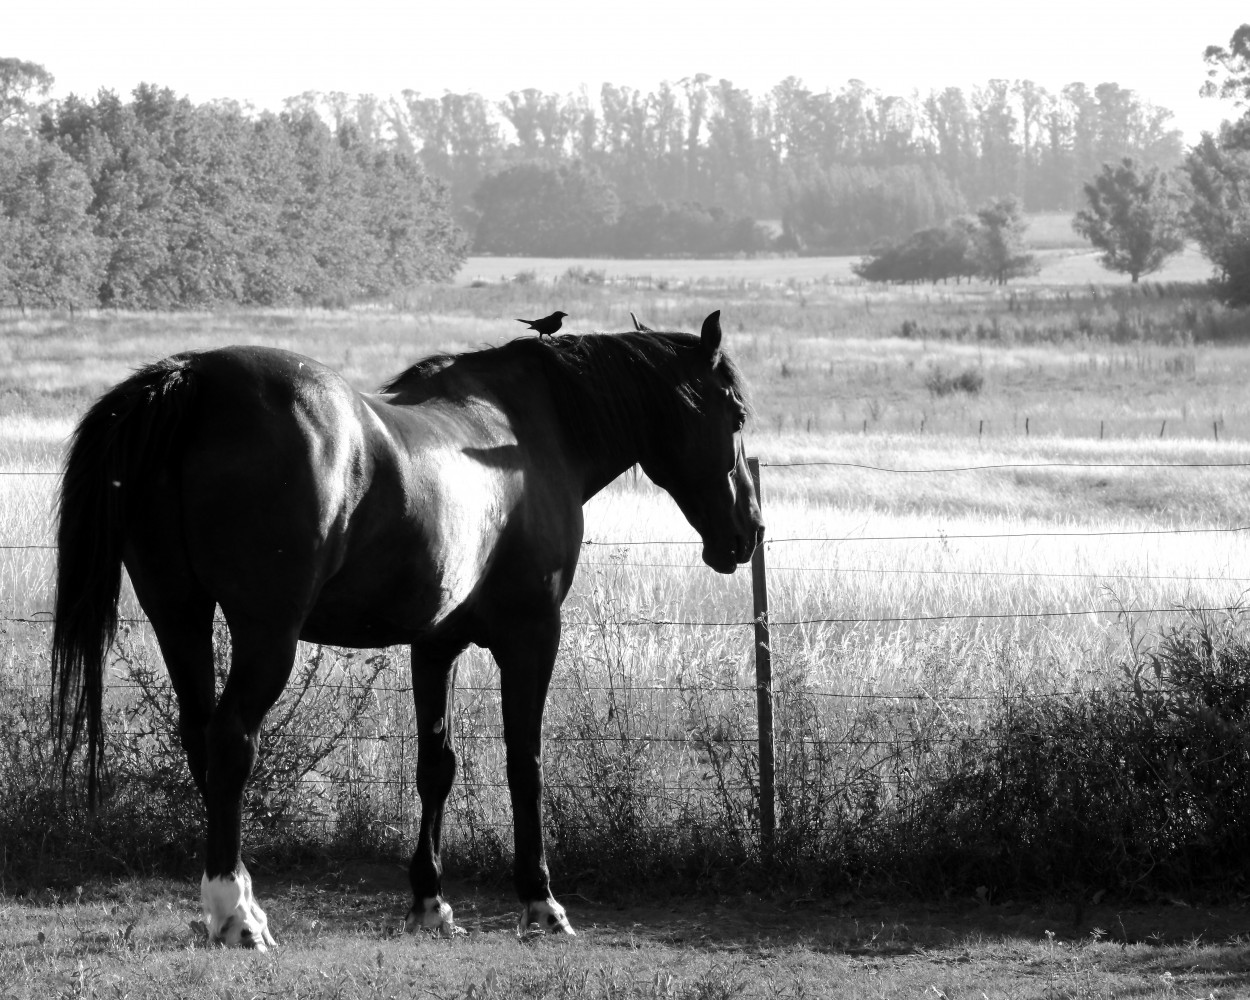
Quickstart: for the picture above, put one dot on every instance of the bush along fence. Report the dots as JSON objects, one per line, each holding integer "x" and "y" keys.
{"x": 673, "y": 756}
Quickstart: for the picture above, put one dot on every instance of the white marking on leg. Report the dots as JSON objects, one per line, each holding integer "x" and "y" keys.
{"x": 438, "y": 726}
{"x": 231, "y": 914}
{"x": 432, "y": 914}
{"x": 546, "y": 915}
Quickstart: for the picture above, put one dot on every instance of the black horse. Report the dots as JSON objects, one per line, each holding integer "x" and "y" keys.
{"x": 444, "y": 511}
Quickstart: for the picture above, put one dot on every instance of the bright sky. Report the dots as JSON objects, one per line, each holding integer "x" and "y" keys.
{"x": 260, "y": 51}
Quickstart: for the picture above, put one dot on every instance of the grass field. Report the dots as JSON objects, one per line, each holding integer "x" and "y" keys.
{"x": 341, "y": 941}
{"x": 1100, "y": 412}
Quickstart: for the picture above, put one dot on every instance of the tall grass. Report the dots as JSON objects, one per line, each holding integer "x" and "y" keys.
{"x": 913, "y": 654}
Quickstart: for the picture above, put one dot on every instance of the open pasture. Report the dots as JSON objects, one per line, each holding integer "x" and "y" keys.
{"x": 934, "y": 548}
{"x": 1062, "y": 260}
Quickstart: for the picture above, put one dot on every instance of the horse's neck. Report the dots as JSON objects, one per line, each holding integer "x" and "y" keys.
{"x": 601, "y": 474}
{"x": 610, "y": 448}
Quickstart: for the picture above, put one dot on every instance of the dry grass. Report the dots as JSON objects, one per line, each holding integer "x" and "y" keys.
{"x": 835, "y": 381}
{"x": 840, "y": 377}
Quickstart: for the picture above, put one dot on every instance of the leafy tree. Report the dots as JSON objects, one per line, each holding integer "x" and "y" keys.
{"x": 998, "y": 247}
{"x": 131, "y": 191}
{"x": 1133, "y": 217}
{"x": 201, "y": 205}
{"x": 415, "y": 237}
{"x": 935, "y": 254}
{"x": 48, "y": 254}
{"x": 689, "y": 228}
{"x": 19, "y": 82}
{"x": 1219, "y": 212}
{"x": 1228, "y": 75}
{"x": 844, "y": 209}
{"x": 537, "y": 209}
{"x": 1218, "y": 169}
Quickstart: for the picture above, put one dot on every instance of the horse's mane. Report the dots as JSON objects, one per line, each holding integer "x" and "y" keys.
{"x": 605, "y": 386}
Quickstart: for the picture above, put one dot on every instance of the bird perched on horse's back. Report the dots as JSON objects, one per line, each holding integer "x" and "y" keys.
{"x": 546, "y": 326}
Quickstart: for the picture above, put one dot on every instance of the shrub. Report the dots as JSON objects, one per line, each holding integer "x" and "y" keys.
{"x": 578, "y": 275}
{"x": 1149, "y": 783}
{"x": 939, "y": 382}
{"x": 1145, "y": 784}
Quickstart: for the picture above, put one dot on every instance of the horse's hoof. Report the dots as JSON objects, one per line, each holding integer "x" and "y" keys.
{"x": 544, "y": 916}
{"x": 432, "y": 915}
{"x": 231, "y": 914}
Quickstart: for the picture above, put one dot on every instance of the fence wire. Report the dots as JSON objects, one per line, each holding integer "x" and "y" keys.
{"x": 684, "y": 754}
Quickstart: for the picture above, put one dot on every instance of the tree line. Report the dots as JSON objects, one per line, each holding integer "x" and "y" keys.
{"x": 839, "y": 170}
{"x": 154, "y": 202}
{"x": 157, "y": 203}
{"x": 1136, "y": 215}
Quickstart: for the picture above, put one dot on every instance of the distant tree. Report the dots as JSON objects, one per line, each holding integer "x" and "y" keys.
{"x": 131, "y": 192}
{"x": 998, "y": 246}
{"x": 1133, "y": 217}
{"x": 1218, "y": 169}
{"x": 844, "y": 209}
{"x": 1219, "y": 211}
{"x": 415, "y": 237}
{"x": 935, "y": 254}
{"x": 532, "y": 208}
{"x": 48, "y": 253}
{"x": 1228, "y": 75}
{"x": 19, "y": 82}
{"x": 688, "y": 228}
{"x": 197, "y": 205}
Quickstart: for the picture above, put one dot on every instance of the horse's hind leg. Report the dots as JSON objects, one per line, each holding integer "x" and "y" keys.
{"x": 181, "y": 613}
{"x": 433, "y": 689}
{"x": 187, "y": 647}
{"x": 262, "y": 656}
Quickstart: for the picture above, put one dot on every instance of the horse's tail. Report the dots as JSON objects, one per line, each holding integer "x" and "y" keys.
{"x": 117, "y": 450}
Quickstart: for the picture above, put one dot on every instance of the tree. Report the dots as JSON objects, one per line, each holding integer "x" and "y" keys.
{"x": 537, "y": 209}
{"x": 48, "y": 254}
{"x": 1219, "y": 212}
{"x": 201, "y": 205}
{"x": 844, "y": 209}
{"x": 935, "y": 254}
{"x": 1133, "y": 217}
{"x": 1219, "y": 174}
{"x": 19, "y": 80}
{"x": 1233, "y": 65}
{"x": 998, "y": 247}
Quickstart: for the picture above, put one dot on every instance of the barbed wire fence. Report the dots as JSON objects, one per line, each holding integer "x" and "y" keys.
{"x": 688, "y": 753}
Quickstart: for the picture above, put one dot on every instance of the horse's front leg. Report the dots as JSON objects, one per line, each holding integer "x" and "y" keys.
{"x": 261, "y": 663}
{"x": 526, "y": 659}
{"x": 433, "y": 690}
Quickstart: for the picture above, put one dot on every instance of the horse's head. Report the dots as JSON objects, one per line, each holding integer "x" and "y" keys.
{"x": 702, "y": 464}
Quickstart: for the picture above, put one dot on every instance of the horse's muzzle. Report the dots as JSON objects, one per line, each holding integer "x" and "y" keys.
{"x": 725, "y": 558}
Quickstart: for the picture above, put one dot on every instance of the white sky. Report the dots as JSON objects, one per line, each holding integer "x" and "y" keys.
{"x": 260, "y": 51}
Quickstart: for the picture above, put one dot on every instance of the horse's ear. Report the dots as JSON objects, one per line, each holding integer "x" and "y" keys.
{"x": 710, "y": 336}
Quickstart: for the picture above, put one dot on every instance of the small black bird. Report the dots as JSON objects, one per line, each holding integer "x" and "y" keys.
{"x": 546, "y": 326}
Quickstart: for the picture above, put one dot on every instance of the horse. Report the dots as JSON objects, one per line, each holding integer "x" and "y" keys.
{"x": 443, "y": 510}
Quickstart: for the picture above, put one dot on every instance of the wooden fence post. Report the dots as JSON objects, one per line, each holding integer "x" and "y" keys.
{"x": 763, "y": 682}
